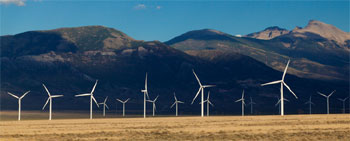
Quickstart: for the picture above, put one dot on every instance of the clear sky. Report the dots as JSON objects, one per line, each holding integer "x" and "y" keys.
{"x": 163, "y": 20}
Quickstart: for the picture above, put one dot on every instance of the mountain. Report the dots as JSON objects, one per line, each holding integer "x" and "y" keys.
{"x": 69, "y": 60}
{"x": 324, "y": 30}
{"x": 312, "y": 56}
{"x": 268, "y": 33}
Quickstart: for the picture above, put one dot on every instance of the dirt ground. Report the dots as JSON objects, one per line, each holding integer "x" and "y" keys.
{"x": 290, "y": 127}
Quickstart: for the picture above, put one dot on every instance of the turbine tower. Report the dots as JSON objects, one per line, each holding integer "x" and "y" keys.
{"x": 175, "y": 103}
{"x": 208, "y": 102}
{"x": 201, "y": 89}
{"x": 145, "y": 93}
{"x": 282, "y": 84}
{"x": 243, "y": 103}
{"x": 251, "y": 103}
{"x": 104, "y": 106}
{"x": 279, "y": 103}
{"x": 154, "y": 104}
{"x": 123, "y": 104}
{"x": 310, "y": 104}
{"x": 19, "y": 102}
{"x": 50, "y": 99}
{"x": 327, "y": 97}
{"x": 91, "y": 94}
{"x": 343, "y": 100}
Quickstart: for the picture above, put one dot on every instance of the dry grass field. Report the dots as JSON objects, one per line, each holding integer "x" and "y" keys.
{"x": 290, "y": 127}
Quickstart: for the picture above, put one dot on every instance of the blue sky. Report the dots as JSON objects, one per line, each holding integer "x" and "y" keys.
{"x": 163, "y": 20}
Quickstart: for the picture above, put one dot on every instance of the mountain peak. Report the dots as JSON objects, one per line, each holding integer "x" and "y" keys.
{"x": 324, "y": 30}
{"x": 202, "y": 34}
{"x": 268, "y": 33}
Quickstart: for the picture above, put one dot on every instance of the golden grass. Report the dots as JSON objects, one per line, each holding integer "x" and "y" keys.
{"x": 290, "y": 127}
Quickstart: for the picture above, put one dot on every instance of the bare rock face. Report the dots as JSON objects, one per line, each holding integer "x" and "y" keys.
{"x": 325, "y": 30}
{"x": 268, "y": 33}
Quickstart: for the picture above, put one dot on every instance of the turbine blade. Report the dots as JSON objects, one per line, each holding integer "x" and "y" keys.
{"x": 24, "y": 94}
{"x": 173, "y": 105}
{"x": 238, "y": 100}
{"x": 290, "y": 90}
{"x": 199, "y": 82}
{"x": 149, "y": 101}
{"x": 285, "y": 70}
{"x": 322, "y": 94}
{"x": 107, "y": 106}
{"x": 243, "y": 94}
{"x": 175, "y": 96}
{"x": 180, "y": 102}
{"x": 47, "y": 90}
{"x": 93, "y": 98}
{"x": 12, "y": 95}
{"x": 211, "y": 103}
{"x": 47, "y": 101}
{"x": 279, "y": 100}
{"x": 82, "y": 95}
{"x": 56, "y": 96}
{"x": 207, "y": 86}
{"x": 93, "y": 89}
{"x": 208, "y": 95}
{"x": 200, "y": 88}
{"x": 285, "y": 99}
{"x": 156, "y": 98}
{"x": 126, "y": 100}
{"x": 105, "y": 99}
{"x": 147, "y": 95}
{"x": 146, "y": 82}
{"x": 331, "y": 94}
{"x": 273, "y": 82}
{"x": 120, "y": 101}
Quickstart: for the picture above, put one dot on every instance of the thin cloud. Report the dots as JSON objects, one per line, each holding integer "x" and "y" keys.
{"x": 140, "y": 7}
{"x": 15, "y": 2}
{"x": 158, "y": 7}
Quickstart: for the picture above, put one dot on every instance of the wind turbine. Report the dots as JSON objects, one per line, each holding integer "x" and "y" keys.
{"x": 327, "y": 97}
{"x": 282, "y": 83}
{"x": 279, "y": 103}
{"x": 251, "y": 103}
{"x": 175, "y": 103}
{"x": 91, "y": 94}
{"x": 343, "y": 100}
{"x": 201, "y": 89}
{"x": 310, "y": 103}
{"x": 208, "y": 102}
{"x": 145, "y": 93}
{"x": 154, "y": 104}
{"x": 19, "y": 102}
{"x": 123, "y": 104}
{"x": 50, "y": 99}
{"x": 104, "y": 106}
{"x": 243, "y": 103}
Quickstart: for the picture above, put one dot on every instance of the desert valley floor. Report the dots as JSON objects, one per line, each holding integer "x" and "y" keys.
{"x": 290, "y": 127}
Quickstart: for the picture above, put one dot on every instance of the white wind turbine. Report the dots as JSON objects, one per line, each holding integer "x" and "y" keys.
{"x": 327, "y": 97}
{"x": 343, "y": 100}
{"x": 154, "y": 104}
{"x": 208, "y": 102}
{"x": 282, "y": 83}
{"x": 19, "y": 102}
{"x": 243, "y": 103}
{"x": 201, "y": 89}
{"x": 145, "y": 93}
{"x": 50, "y": 99}
{"x": 91, "y": 94}
{"x": 279, "y": 103}
{"x": 175, "y": 103}
{"x": 310, "y": 104}
{"x": 251, "y": 103}
{"x": 123, "y": 104}
{"x": 104, "y": 106}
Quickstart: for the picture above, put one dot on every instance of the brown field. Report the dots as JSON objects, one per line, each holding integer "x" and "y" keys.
{"x": 290, "y": 127}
